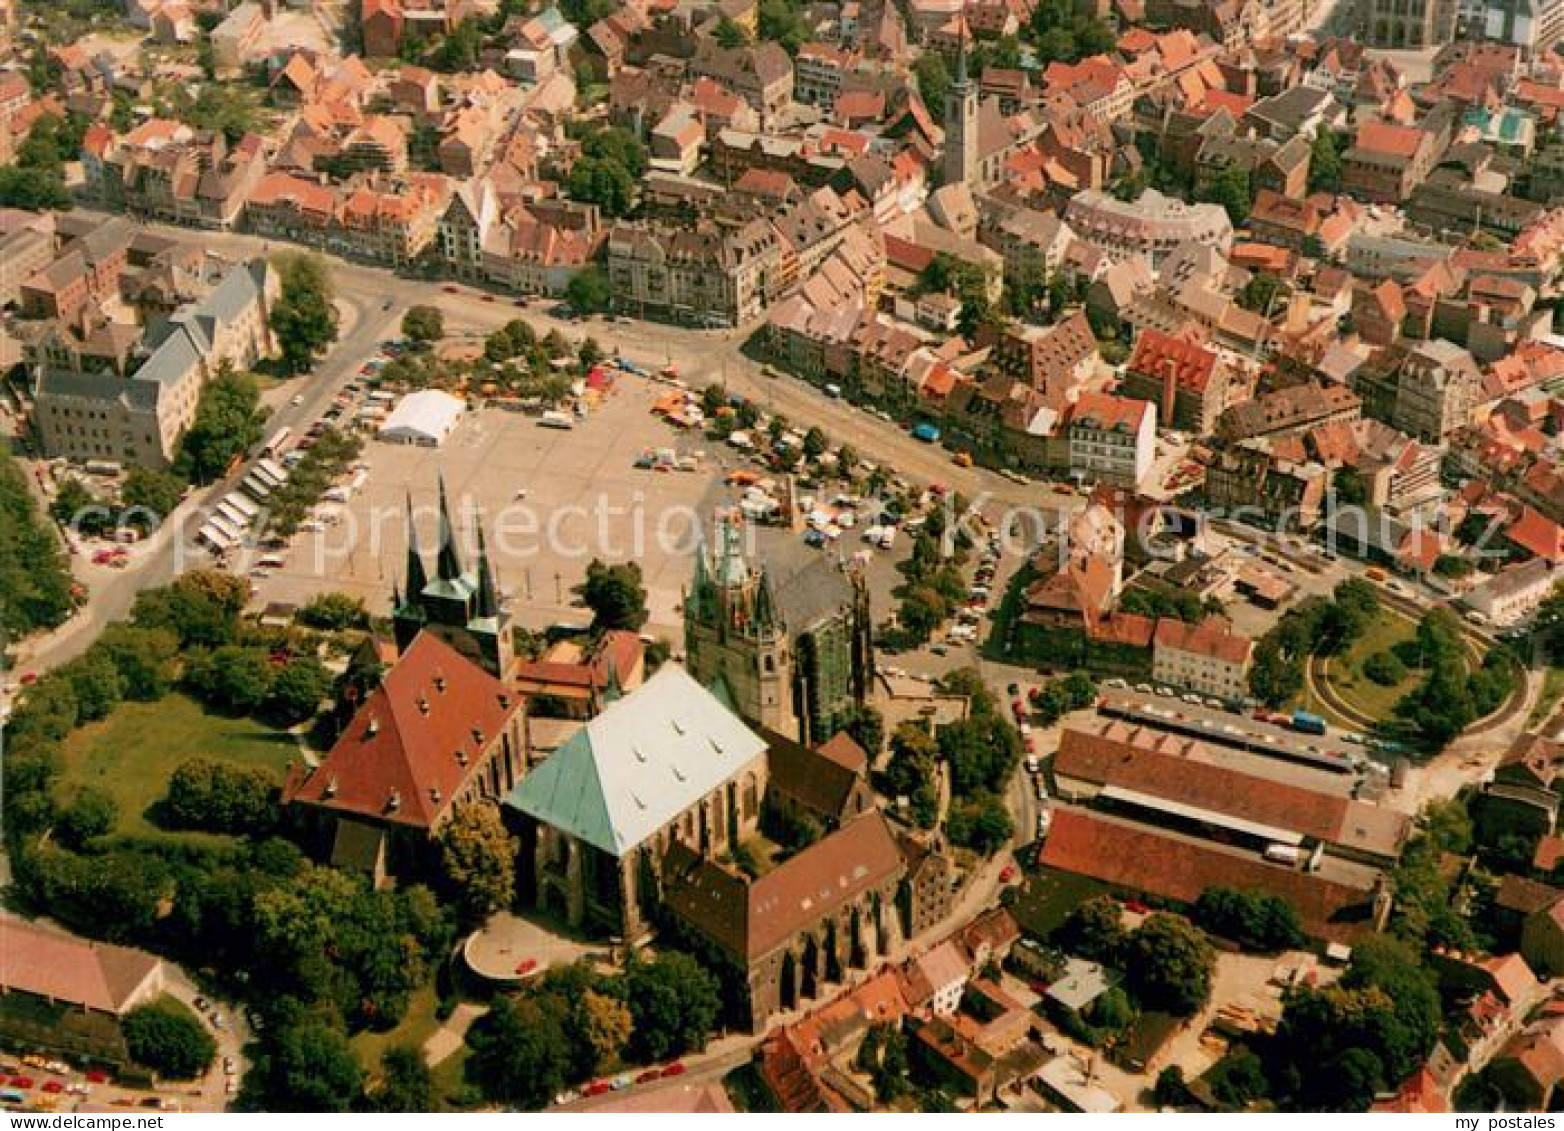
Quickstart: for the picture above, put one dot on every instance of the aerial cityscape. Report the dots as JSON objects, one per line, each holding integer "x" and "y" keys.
{"x": 812, "y": 556}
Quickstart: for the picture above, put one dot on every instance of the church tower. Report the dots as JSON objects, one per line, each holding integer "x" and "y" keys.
{"x": 961, "y": 124}
{"x": 461, "y": 607}
{"x": 734, "y": 635}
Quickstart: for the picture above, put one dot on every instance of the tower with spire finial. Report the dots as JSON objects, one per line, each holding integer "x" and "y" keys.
{"x": 961, "y": 122}
{"x": 460, "y": 606}
{"x": 733, "y": 635}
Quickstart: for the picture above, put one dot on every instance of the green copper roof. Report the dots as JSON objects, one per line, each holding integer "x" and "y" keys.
{"x": 639, "y": 764}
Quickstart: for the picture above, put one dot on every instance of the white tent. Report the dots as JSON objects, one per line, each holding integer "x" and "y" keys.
{"x": 425, "y": 417}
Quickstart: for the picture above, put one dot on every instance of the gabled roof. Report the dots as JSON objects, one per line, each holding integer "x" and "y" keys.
{"x": 639, "y": 764}
{"x": 51, "y": 964}
{"x": 415, "y": 742}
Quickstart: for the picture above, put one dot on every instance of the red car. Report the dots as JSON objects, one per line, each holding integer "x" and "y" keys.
{"x": 648, "y": 1076}
{"x": 22, "y": 1082}
{"x": 450, "y": 290}
{"x": 1137, "y": 906}
{"x": 1007, "y": 873}
{"x": 97, "y": 1077}
{"x": 1039, "y": 987}
{"x": 527, "y": 966}
{"x": 674, "y": 1069}
{"x": 29, "y": 678}
{"x": 595, "y": 1088}
{"x": 53, "y": 1087}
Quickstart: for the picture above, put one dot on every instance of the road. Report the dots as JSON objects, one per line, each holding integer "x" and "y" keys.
{"x": 372, "y": 300}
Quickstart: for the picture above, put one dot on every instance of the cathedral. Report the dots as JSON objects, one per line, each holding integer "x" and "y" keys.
{"x": 460, "y": 606}
{"x": 790, "y": 648}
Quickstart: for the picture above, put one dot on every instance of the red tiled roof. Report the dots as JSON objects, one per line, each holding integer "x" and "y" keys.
{"x": 1538, "y": 535}
{"x": 1144, "y": 859}
{"x": 413, "y": 739}
{"x": 54, "y": 965}
{"x": 1157, "y": 354}
{"x": 1385, "y": 137}
{"x": 1212, "y": 637}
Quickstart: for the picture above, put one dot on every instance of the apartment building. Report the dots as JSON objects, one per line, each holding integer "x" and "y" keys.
{"x": 1208, "y": 658}
{"x": 1111, "y": 439}
{"x": 703, "y": 275}
{"x": 1151, "y": 226}
{"x": 137, "y": 420}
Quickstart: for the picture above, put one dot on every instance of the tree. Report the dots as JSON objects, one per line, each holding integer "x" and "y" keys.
{"x": 478, "y": 861}
{"x": 1264, "y": 294}
{"x": 1254, "y": 920}
{"x": 602, "y": 1026}
{"x": 1384, "y": 668}
{"x": 1325, "y": 162}
{"x": 96, "y": 684}
{"x": 297, "y": 690}
{"x": 334, "y": 612}
{"x": 166, "y": 1037}
{"x": 1230, "y": 188}
{"x": 1350, "y": 488}
{"x": 866, "y": 726}
{"x": 729, "y": 34}
{"x": 406, "y": 1084}
{"x": 1169, "y": 963}
{"x": 1171, "y": 1090}
{"x": 615, "y": 594}
{"x": 981, "y": 823}
{"x": 33, "y": 573}
{"x": 933, "y": 80}
{"x": 519, "y": 1052}
{"x": 201, "y": 607}
{"x": 153, "y": 492}
{"x": 228, "y": 420}
{"x": 1094, "y": 930}
{"x": 423, "y": 325}
{"x": 90, "y": 814}
{"x": 308, "y": 1067}
{"x": 36, "y": 190}
{"x": 814, "y": 444}
{"x": 232, "y": 678}
{"x": 303, "y": 317}
{"x": 146, "y": 658}
{"x": 207, "y": 794}
{"x": 674, "y": 1002}
{"x": 783, "y": 22}
{"x": 588, "y": 290}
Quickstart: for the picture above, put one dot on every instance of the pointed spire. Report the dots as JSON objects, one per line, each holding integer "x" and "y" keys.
{"x": 396, "y": 596}
{"x": 417, "y": 579}
{"x": 488, "y": 598}
{"x": 449, "y": 566}
{"x": 961, "y": 54}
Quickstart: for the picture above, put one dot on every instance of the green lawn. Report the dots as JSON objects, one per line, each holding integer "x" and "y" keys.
{"x": 133, "y": 753}
{"x": 416, "y": 1027}
{"x": 1346, "y": 670}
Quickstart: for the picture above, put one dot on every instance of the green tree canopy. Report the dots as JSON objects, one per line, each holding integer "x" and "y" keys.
{"x": 303, "y": 317}
{"x": 166, "y": 1037}
{"x": 1169, "y": 962}
{"x": 615, "y": 594}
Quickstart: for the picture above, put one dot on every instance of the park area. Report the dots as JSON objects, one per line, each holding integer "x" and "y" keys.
{"x": 1391, "y": 633}
{"x": 132, "y": 754}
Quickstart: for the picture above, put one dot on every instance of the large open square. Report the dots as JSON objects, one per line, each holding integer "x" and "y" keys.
{"x": 550, "y": 500}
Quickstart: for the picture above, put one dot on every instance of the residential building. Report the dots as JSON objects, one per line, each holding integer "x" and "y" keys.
{"x": 1112, "y": 439}
{"x": 1153, "y": 225}
{"x": 137, "y": 420}
{"x": 1408, "y": 26}
{"x": 1189, "y": 383}
{"x": 1513, "y": 594}
{"x": 702, "y": 274}
{"x": 1387, "y": 161}
{"x": 1208, "y": 658}
{"x": 1437, "y": 388}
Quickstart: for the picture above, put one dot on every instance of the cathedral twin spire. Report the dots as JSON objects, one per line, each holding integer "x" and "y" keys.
{"x": 448, "y": 564}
